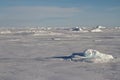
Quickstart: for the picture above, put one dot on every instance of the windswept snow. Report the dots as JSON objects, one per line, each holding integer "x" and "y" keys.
{"x": 58, "y": 54}
{"x": 46, "y": 33}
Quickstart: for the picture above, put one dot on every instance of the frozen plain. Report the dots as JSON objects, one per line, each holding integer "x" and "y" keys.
{"x": 27, "y": 54}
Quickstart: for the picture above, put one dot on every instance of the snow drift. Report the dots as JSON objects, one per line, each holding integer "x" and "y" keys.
{"x": 93, "y": 56}
{"x": 96, "y": 30}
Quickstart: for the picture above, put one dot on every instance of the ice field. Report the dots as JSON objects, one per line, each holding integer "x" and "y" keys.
{"x": 44, "y": 53}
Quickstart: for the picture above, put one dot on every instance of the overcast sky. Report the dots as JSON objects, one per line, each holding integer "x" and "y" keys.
{"x": 59, "y": 12}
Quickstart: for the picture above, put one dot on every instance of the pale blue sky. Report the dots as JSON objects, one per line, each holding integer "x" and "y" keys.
{"x": 59, "y": 13}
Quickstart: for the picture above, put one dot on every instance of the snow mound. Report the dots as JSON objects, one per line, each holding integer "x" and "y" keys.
{"x": 101, "y": 27}
{"x": 79, "y": 29}
{"x": 96, "y": 30}
{"x": 94, "y": 56}
{"x": 5, "y": 32}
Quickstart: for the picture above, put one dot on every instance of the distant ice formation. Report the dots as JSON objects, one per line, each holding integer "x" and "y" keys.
{"x": 117, "y": 27}
{"x": 96, "y": 30}
{"x": 29, "y": 31}
{"x": 5, "y": 32}
{"x": 100, "y": 27}
{"x": 79, "y": 29}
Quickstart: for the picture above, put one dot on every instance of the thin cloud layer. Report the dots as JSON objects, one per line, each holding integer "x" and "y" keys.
{"x": 114, "y": 8}
{"x": 38, "y": 12}
{"x": 60, "y": 12}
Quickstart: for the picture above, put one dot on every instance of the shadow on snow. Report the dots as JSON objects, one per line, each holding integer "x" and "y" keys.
{"x": 69, "y": 57}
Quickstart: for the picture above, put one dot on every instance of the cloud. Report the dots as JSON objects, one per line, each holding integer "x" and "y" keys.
{"x": 114, "y": 8}
{"x": 53, "y": 15}
{"x": 37, "y": 12}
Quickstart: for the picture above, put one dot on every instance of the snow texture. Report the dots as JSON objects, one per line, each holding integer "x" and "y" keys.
{"x": 58, "y": 54}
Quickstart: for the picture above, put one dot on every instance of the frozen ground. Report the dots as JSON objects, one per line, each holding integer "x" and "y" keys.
{"x": 37, "y": 54}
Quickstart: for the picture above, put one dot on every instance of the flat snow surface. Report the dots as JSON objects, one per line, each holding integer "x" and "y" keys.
{"x": 36, "y": 54}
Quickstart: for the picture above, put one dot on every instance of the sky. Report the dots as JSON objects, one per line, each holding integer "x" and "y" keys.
{"x": 59, "y": 13}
